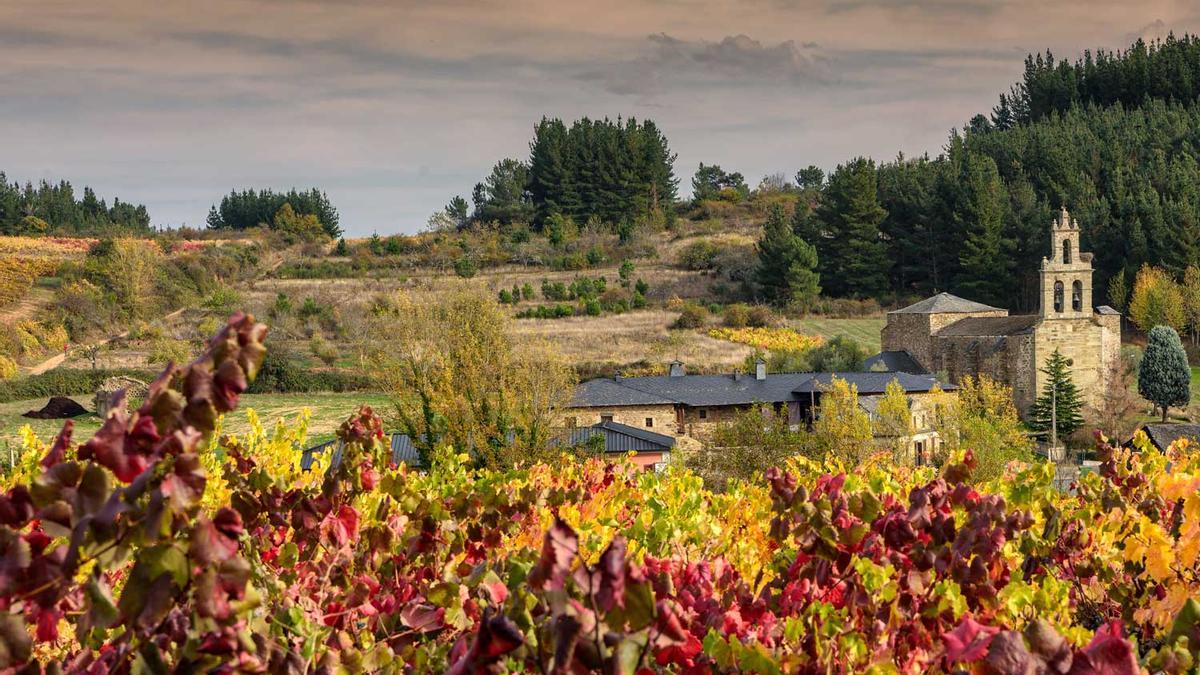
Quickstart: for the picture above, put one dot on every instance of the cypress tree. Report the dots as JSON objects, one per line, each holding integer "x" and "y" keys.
{"x": 1059, "y": 401}
{"x": 1164, "y": 377}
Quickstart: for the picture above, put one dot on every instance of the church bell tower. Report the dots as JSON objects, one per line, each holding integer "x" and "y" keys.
{"x": 1066, "y": 276}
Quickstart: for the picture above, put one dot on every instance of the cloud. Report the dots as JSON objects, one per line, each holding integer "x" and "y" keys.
{"x": 975, "y": 8}
{"x": 736, "y": 60}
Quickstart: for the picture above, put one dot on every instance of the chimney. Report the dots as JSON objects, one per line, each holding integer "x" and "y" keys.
{"x": 676, "y": 369}
{"x": 760, "y": 370}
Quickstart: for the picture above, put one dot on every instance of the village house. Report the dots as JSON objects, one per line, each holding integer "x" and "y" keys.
{"x": 958, "y": 337}
{"x": 650, "y": 450}
{"x": 691, "y": 406}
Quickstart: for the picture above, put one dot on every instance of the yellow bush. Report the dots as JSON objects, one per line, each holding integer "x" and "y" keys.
{"x": 8, "y": 368}
{"x": 54, "y": 337}
{"x": 770, "y": 339}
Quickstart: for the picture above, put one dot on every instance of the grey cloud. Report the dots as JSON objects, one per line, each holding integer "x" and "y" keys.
{"x": 736, "y": 60}
{"x": 976, "y": 8}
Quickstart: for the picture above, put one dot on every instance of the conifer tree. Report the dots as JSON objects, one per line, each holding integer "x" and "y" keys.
{"x": 853, "y": 252}
{"x": 982, "y": 274}
{"x": 1164, "y": 377}
{"x": 1060, "y": 400}
{"x": 786, "y": 263}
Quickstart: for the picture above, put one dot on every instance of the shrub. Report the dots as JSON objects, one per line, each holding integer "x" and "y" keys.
{"x": 557, "y": 311}
{"x": 168, "y": 350}
{"x": 736, "y": 316}
{"x": 699, "y": 255}
{"x": 506, "y": 296}
{"x": 465, "y": 267}
{"x": 691, "y": 315}
{"x": 224, "y": 300}
{"x": 626, "y": 272}
{"x": 324, "y": 350}
{"x": 64, "y": 382}
{"x": 760, "y": 317}
{"x": 310, "y": 309}
{"x": 846, "y": 308}
{"x": 8, "y": 368}
{"x": 595, "y": 256}
{"x": 555, "y": 290}
{"x": 282, "y": 373}
{"x": 281, "y": 307}
{"x": 592, "y": 307}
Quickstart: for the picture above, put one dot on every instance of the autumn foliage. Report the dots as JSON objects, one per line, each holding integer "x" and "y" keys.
{"x": 159, "y": 546}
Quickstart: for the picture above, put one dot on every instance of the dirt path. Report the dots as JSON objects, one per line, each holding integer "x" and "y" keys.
{"x": 56, "y": 361}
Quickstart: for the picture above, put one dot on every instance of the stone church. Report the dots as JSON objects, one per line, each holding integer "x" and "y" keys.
{"x": 958, "y": 337}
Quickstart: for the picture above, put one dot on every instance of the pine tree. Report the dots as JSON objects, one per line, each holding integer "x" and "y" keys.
{"x": 982, "y": 275}
{"x": 1059, "y": 401}
{"x": 1164, "y": 377}
{"x": 786, "y": 263}
{"x": 854, "y": 254}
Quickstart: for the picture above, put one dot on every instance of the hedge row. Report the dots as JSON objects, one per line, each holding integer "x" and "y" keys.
{"x": 281, "y": 375}
{"x": 276, "y": 378}
{"x": 64, "y": 382}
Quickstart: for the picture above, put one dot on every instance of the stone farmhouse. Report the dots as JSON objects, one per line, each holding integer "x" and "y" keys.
{"x": 651, "y": 450}
{"x": 690, "y": 407}
{"x": 957, "y": 337}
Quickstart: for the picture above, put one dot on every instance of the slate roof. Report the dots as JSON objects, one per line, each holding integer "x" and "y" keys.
{"x": 1163, "y": 435}
{"x": 403, "y": 452}
{"x": 894, "y": 362}
{"x": 990, "y": 326}
{"x": 694, "y": 390}
{"x": 618, "y": 438}
{"x": 609, "y": 392}
{"x": 1105, "y": 309}
{"x": 721, "y": 390}
{"x": 871, "y": 383}
{"x": 944, "y": 303}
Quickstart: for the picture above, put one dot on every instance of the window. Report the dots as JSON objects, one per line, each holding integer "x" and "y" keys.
{"x": 1058, "y": 296}
{"x": 1077, "y": 296}
{"x": 1067, "y": 251}
{"x": 606, "y": 418}
{"x": 649, "y": 422}
{"x": 702, "y": 414}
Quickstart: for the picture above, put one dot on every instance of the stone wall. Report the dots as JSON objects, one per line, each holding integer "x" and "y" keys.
{"x": 1008, "y": 359}
{"x": 662, "y": 416}
{"x": 1085, "y": 342}
{"x": 703, "y": 428}
{"x": 910, "y": 333}
{"x": 915, "y": 334}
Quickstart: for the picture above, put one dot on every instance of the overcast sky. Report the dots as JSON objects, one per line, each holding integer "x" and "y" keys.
{"x": 394, "y": 107}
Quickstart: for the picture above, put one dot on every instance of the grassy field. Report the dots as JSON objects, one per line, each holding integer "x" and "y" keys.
{"x": 635, "y": 336}
{"x": 328, "y": 412}
{"x": 865, "y": 331}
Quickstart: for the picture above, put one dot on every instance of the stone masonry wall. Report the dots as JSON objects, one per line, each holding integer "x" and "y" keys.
{"x": 663, "y": 417}
{"x": 1081, "y": 340}
{"x": 914, "y": 333}
{"x": 909, "y": 333}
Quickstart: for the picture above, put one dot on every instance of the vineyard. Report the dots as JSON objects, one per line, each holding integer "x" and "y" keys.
{"x": 768, "y": 339}
{"x": 159, "y": 545}
{"x": 18, "y": 274}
